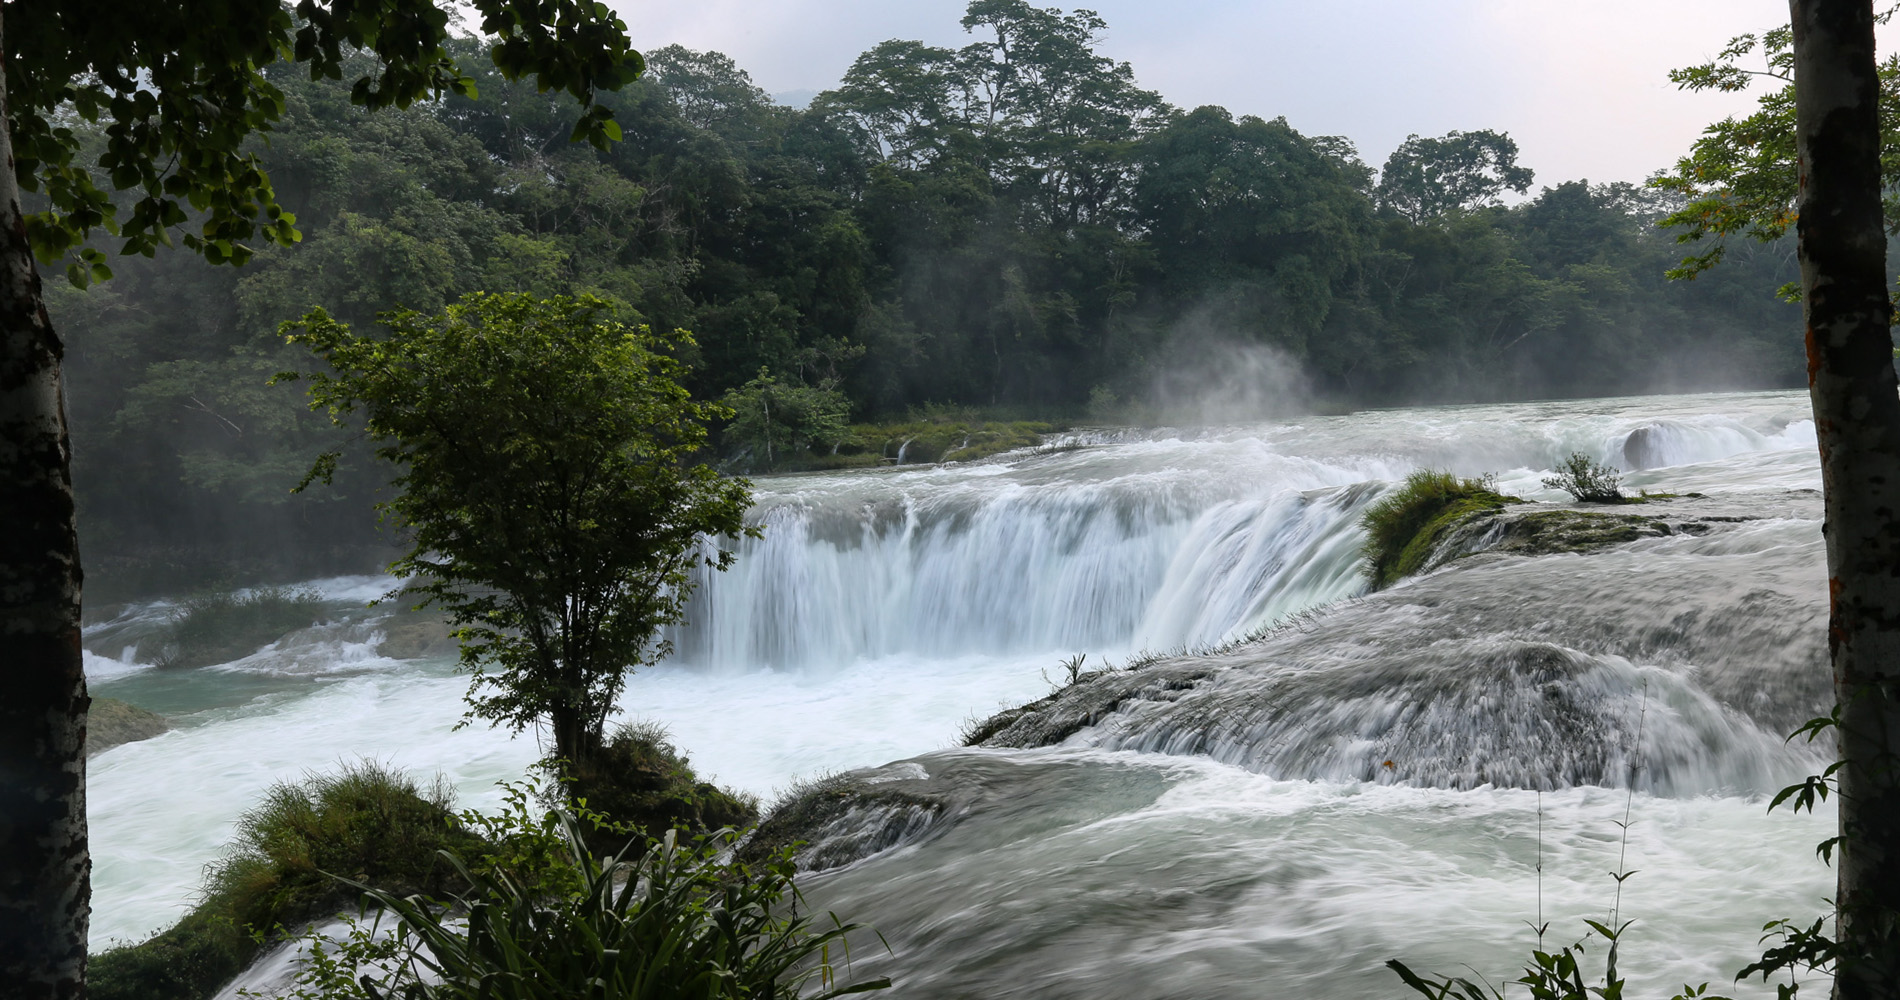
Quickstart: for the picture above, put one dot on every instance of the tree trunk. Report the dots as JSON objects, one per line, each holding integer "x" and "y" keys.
{"x": 45, "y": 870}
{"x": 570, "y": 737}
{"x": 1843, "y": 249}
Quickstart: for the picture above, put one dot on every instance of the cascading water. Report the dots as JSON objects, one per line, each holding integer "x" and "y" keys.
{"x": 1355, "y": 788}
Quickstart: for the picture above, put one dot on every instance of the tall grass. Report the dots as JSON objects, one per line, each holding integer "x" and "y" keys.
{"x": 368, "y": 821}
{"x": 1403, "y": 525}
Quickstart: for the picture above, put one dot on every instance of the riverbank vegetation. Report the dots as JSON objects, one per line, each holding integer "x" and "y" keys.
{"x": 381, "y": 830}
{"x": 667, "y": 917}
{"x": 366, "y": 821}
{"x": 936, "y": 230}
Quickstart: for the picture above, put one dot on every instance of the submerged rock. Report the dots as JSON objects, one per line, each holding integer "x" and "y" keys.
{"x": 111, "y": 722}
{"x": 847, "y": 817}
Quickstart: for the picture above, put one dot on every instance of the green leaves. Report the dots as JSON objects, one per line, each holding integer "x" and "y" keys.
{"x": 1740, "y": 177}
{"x": 161, "y": 102}
{"x": 661, "y": 919}
{"x": 1426, "y": 178}
{"x": 546, "y": 482}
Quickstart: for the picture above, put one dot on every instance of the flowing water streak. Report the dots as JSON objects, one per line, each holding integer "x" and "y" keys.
{"x": 882, "y": 608}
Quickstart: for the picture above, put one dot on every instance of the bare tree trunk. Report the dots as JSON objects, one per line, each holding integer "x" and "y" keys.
{"x": 45, "y": 870}
{"x": 1843, "y": 250}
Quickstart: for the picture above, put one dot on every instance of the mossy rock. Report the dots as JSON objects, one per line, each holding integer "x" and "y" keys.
{"x": 1408, "y": 526}
{"x": 925, "y": 442}
{"x": 189, "y": 960}
{"x": 414, "y": 635}
{"x": 218, "y": 628}
{"x": 111, "y": 722}
{"x": 1092, "y": 697}
{"x": 1554, "y": 531}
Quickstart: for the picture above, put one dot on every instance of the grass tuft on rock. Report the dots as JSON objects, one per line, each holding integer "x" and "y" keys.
{"x": 638, "y": 778}
{"x": 1404, "y": 526}
{"x": 369, "y": 822}
{"x": 219, "y": 628}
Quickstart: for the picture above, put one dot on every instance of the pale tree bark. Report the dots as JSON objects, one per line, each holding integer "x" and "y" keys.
{"x": 1843, "y": 250}
{"x": 45, "y": 870}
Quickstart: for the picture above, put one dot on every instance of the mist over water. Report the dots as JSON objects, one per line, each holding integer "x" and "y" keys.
{"x": 1246, "y": 832}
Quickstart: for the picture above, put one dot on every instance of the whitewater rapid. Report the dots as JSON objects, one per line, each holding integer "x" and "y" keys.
{"x": 885, "y": 609}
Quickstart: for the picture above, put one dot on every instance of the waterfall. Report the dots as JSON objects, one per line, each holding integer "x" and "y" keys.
{"x": 1183, "y": 839}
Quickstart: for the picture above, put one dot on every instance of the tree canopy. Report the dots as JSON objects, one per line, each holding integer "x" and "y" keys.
{"x": 130, "y": 125}
{"x": 162, "y": 101}
{"x": 1014, "y": 224}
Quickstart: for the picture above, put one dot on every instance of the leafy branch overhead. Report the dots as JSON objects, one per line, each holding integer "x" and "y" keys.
{"x": 161, "y": 112}
{"x": 1740, "y": 178}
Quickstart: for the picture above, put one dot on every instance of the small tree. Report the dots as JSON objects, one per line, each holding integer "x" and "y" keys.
{"x": 547, "y": 487}
{"x": 1589, "y": 482}
{"x": 776, "y": 418}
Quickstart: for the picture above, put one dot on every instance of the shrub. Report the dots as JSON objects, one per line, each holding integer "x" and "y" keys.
{"x": 1586, "y": 481}
{"x": 682, "y": 921}
{"x": 368, "y": 821}
{"x": 639, "y": 779}
{"x": 1403, "y": 526}
{"x": 218, "y": 628}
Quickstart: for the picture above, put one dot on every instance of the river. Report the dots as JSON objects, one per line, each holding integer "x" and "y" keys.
{"x": 1367, "y": 784}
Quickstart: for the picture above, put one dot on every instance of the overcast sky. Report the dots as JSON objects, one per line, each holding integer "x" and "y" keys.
{"x": 1581, "y": 86}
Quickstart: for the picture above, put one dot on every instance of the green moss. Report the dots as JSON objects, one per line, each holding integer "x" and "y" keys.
{"x": 1406, "y": 525}
{"x": 639, "y": 778}
{"x": 1646, "y": 497}
{"x": 368, "y": 822}
{"x": 1554, "y": 531}
{"x": 928, "y": 441}
{"x": 219, "y": 628}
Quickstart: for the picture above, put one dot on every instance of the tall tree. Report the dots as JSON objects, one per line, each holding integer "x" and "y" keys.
{"x": 1843, "y": 250}
{"x": 1424, "y": 178}
{"x": 158, "y": 102}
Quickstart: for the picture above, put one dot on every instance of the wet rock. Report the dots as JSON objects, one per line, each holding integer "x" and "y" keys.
{"x": 1643, "y": 449}
{"x": 835, "y": 821}
{"x": 414, "y": 637}
{"x": 111, "y": 722}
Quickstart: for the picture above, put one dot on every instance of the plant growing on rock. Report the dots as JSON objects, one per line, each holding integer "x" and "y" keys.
{"x": 217, "y": 628}
{"x": 1586, "y": 480}
{"x": 1404, "y": 525}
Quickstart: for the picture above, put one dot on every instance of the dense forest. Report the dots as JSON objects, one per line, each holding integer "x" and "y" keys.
{"x": 1014, "y": 226}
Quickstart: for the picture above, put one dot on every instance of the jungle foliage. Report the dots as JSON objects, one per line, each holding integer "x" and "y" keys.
{"x": 1014, "y": 225}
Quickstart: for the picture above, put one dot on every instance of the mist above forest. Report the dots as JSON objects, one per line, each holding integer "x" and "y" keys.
{"x": 1016, "y": 225}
